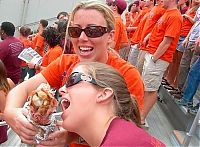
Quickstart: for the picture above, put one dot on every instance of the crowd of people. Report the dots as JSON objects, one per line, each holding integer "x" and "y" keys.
{"x": 108, "y": 71}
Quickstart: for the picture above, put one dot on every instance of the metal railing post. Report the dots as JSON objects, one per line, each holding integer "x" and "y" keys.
{"x": 192, "y": 130}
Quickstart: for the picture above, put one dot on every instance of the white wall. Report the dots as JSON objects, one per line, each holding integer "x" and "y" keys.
{"x": 44, "y": 9}
{"x": 29, "y": 11}
{"x": 21, "y": 12}
{"x": 11, "y": 10}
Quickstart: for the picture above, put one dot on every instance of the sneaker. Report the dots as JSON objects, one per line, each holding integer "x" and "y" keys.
{"x": 177, "y": 96}
{"x": 183, "y": 102}
{"x": 193, "y": 110}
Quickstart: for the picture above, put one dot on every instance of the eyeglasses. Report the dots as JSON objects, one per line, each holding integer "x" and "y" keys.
{"x": 90, "y": 31}
{"x": 76, "y": 77}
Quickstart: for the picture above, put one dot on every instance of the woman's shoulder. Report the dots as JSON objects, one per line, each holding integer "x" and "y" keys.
{"x": 125, "y": 133}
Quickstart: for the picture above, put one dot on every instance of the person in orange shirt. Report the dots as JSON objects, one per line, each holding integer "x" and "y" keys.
{"x": 142, "y": 12}
{"x": 120, "y": 38}
{"x": 156, "y": 12}
{"x": 38, "y": 41}
{"x": 24, "y": 32}
{"x": 52, "y": 38}
{"x": 161, "y": 46}
{"x": 138, "y": 25}
{"x": 91, "y": 38}
{"x": 133, "y": 10}
{"x": 173, "y": 70}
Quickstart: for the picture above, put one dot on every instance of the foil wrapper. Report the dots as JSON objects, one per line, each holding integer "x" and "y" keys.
{"x": 43, "y": 131}
{"x": 42, "y": 105}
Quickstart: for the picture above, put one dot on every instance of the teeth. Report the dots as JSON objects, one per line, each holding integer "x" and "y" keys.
{"x": 85, "y": 48}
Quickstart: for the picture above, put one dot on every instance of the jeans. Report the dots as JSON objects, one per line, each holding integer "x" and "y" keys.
{"x": 24, "y": 72}
{"x": 192, "y": 81}
{"x": 188, "y": 58}
{"x": 179, "y": 47}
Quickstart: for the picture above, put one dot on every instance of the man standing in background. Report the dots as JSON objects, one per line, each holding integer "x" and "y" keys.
{"x": 10, "y": 48}
{"x": 161, "y": 46}
{"x": 120, "y": 38}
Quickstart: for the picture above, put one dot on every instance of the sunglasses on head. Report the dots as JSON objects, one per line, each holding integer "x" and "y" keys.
{"x": 76, "y": 77}
{"x": 90, "y": 31}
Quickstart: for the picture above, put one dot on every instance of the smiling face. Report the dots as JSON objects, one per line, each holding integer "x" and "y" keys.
{"x": 78, "y": 103}
{"x": 91, "y": 49}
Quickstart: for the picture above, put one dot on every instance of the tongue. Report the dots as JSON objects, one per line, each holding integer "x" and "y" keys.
{"x": 65, "y": 104}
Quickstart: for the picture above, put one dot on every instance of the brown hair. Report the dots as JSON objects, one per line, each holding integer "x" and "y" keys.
{"x": 3, "y": 78}
{"x": 25, "y": 31}
{"x": 125, "y": 105}
{"x": 100, "y": 7}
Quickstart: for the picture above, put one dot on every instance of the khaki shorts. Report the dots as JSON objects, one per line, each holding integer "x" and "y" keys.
{"x": 153, "y": 72}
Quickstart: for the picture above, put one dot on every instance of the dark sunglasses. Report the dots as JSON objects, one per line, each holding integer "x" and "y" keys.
{"x": 76, "y": 77}
{"x": 90, "y": 31}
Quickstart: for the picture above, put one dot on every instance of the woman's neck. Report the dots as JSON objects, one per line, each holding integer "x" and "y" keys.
{"x": 94, "y": 135}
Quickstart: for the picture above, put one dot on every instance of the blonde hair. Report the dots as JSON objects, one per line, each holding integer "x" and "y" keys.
{"x": 125, "y": 105}
{"x": 100, "y": 7}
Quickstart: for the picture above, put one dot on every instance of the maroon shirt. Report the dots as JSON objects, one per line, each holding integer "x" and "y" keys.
{"x": 3, "y": 133}
{"x": 10, "y": 48}
{"x": 122, "y": 133}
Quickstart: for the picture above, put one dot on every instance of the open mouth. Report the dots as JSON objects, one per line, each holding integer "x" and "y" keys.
{"x": 64, "y": 104}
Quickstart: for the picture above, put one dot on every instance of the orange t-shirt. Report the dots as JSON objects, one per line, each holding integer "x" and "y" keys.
{"x": 78, "y": 145}
{"x": 51, "y": 55}
{"x": 129, "y": 17}
{"x": 137, "y": 20}
{"x": 187, "y": 25}
{"x": 26, "y": 43}
{"x": 58, "y": 71}
{"x": 38, "y": 41}
{"x": 137, "y": 34}
{"x": 156, "y": 12}
{"x": 169, "y": 25}
{"x": 120, "y": 33}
